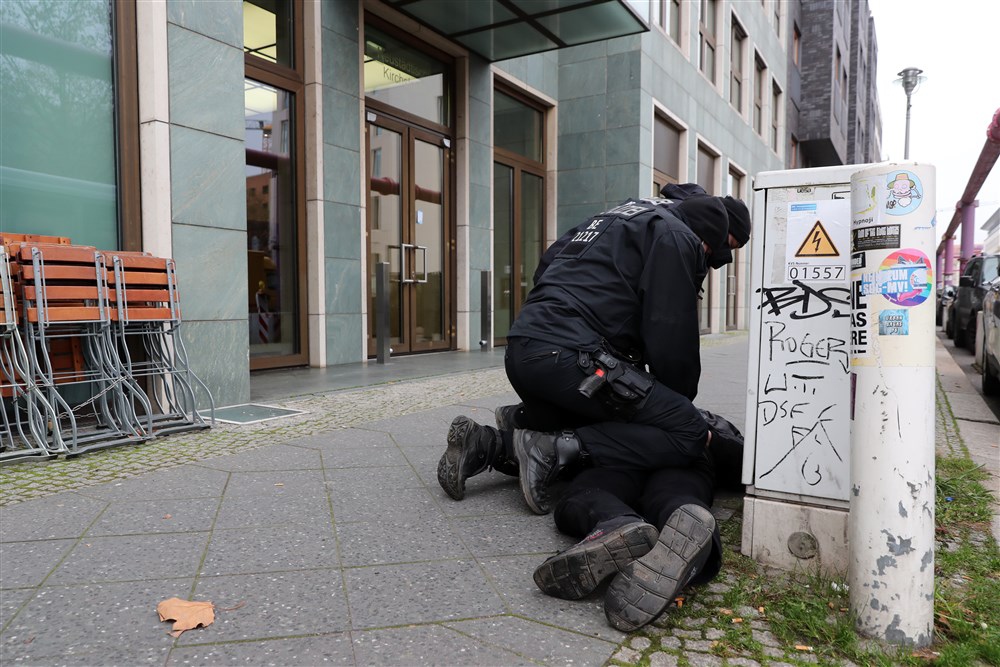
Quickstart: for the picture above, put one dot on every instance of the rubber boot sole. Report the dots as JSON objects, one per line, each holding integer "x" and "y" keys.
{"x": 450, "y": 465}
{"x": 643, "y": 589}
{"x": 578, "y": 571}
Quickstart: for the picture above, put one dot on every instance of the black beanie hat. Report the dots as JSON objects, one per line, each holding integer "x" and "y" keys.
{"x": 739, "y": 219}
{"x": 680, "y": 191}
{"x": 707, "y": 217}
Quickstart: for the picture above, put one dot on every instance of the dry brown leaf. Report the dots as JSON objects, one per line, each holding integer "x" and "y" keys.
{"x": 186, "y": 614}
{"x": 830, "y": 605}
{"x": 802, "y": 647}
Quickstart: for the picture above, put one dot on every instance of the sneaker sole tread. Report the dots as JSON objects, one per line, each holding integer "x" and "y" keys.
{"x": 642, "y": 590}
{"x": 451, "y": 460}
{"x": 578, "y": 571}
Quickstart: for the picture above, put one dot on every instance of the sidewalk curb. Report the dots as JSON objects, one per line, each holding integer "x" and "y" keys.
{"x": 977, "y": 426}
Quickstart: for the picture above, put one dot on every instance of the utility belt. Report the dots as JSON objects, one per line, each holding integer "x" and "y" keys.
{"x": 618, "y": 383}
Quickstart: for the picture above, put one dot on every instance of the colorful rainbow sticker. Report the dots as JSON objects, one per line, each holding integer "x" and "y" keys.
{"x": 904, "y": 278}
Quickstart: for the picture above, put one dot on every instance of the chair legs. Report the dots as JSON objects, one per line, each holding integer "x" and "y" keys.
{"x": 68, "y": 380}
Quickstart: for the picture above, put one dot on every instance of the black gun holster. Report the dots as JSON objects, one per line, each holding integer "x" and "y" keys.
{"x": 618, "y": 383}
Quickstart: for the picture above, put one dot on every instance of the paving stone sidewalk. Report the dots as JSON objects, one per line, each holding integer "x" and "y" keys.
{"x": 330, "y": 534}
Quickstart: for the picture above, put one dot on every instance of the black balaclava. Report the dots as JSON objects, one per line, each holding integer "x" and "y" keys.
{"x": 739, "y": 219}
{"x": 707, "y": 217}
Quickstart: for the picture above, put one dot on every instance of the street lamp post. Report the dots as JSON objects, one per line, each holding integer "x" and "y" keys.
{"x": 910, "y": 78}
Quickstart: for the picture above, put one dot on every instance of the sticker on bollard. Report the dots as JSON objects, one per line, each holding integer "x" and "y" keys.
{"x": 904, "y": 278}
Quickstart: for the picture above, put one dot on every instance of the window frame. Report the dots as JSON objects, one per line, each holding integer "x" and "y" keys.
{"x": 737, "y": 29}
{"x": 127, "y": 165}
{"x": 796, "y": 45}
{"x": 521, "y": 164}
{"x": 292, "y": 80}
{"x": 706, "y": 39}
{"x": 760, "y": 76}
{"x": 661, "y": 113}
{"x": 777, "y": 95}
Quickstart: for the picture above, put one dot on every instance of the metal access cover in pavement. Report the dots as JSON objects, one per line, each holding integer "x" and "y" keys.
{"x": 252, "y": 413}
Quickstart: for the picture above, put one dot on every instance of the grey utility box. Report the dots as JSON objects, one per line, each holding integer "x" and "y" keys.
{"x": 796, "y": 464}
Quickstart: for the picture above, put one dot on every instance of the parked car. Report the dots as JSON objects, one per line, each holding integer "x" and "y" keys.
{"x": 972, "y": 286}
{"x": 991, "y": 340}
{"x": 944, "y": 298}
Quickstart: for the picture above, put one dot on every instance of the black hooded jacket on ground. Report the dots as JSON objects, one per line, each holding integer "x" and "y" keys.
{"x": 630, "y": 276}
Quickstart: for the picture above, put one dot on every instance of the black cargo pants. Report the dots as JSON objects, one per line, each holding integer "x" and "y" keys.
{"x": 667, "y": 431}
{"x": 598, "y": 494}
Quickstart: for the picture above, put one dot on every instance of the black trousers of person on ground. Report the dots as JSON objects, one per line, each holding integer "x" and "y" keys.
{"x": 667, "y": 431}
{"x": 598, "y": 494}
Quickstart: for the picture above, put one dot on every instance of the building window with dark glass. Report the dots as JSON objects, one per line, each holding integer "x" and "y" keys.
{"x": 707, "y": 38}
{"x": 775, "y": 115}
{"x": 738, "y": 46}
{"x": 518, "y": 203}
{"x": 667, "y": 139}
{"x": 69, "y": 122}
{"x": 273, "y": 118}
{"x": 758, "y": 95}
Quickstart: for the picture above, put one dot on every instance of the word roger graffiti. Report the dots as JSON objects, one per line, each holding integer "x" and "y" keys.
{"x": 799, "y": 418}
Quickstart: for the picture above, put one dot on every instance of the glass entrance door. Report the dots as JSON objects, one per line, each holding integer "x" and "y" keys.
{"x": 518, "y": 220}
{"x": 408, "y": 227}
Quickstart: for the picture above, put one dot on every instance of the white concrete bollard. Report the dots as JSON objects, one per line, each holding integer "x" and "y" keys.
{"x": 891, "y": 520}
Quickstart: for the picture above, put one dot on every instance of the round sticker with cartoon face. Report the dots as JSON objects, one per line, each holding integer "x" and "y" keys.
{"x": 905, "y": 193}
{"x": 905, "y": 277}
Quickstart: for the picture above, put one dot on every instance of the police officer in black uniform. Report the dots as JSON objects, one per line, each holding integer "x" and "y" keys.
{"x": 667, "y": 475}
{"x": 620, "y": 293}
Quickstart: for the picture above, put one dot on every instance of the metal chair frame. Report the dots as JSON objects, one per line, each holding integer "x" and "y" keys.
{"x": 145, "y": 292}
{"x": 63, "y": 302}
{"x": 23, "y": 418}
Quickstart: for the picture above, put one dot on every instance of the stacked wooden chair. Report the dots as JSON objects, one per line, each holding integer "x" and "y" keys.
{"x": 147, "y": 317}
{"x": 25, "y": 413}
{"x": 74, "y": 320}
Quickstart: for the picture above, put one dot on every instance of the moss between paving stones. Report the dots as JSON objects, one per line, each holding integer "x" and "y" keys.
{"x": 324, "y": 413}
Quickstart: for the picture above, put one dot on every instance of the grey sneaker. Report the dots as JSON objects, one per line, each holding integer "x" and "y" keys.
{"x": 643, "y": 589}
{"x": 579, "y": 570}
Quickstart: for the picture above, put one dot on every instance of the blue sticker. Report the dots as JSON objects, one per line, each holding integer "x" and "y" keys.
{"x": 894, "y": 322}
{"x": 905, "y": 193}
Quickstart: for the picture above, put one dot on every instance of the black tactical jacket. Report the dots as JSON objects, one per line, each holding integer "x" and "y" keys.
{"x": 629, "y": 276}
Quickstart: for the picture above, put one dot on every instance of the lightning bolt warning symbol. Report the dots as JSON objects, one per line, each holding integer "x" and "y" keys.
{"x": 817, "y": 243}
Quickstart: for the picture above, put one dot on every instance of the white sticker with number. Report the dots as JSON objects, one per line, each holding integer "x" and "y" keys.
{"x": 818, "y": 244}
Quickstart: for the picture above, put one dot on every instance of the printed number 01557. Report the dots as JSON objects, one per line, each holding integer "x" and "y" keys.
{"x": 816, "y": 272}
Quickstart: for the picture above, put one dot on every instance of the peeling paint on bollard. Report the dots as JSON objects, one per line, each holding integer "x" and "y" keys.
{"x": 891, "y": 520}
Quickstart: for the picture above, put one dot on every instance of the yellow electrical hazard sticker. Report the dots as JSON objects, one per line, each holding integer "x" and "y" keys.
{"x": 817, "y": 243}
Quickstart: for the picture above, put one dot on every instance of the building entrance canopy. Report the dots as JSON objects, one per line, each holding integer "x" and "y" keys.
{"x": 501, "y": 29}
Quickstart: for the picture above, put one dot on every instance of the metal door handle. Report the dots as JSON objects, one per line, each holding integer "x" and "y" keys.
{"x": 403, "y": 278}
{"x": 424, "y": 249}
